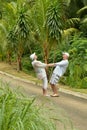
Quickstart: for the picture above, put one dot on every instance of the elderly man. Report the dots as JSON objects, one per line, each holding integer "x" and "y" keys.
{"x": 39, "y": 68}
{"x": 60, "y": 69}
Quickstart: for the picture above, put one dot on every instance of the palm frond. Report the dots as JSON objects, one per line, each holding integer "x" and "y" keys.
{"x": 82, "y": 11}
{"x": 39, "y": 16}
{"x": 54, "y": 21}
{"x": 84, "y": 21}
{"x": 69, "y": 31}
{"x": 10, "y": 12}
{"x": 72, "y": 21}
{"x": 13, "y": 7}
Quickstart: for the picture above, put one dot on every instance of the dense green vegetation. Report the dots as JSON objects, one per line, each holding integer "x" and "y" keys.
{"x": 47, "y": 28}
{"x": 18, "y": 112}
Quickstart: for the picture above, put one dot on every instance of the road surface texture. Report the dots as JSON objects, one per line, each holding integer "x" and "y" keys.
{"x": 71, "y": 110}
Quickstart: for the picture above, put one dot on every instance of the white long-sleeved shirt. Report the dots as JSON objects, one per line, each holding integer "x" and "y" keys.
{"x": 60, "y": 67}
{"x": 39, "y": 68}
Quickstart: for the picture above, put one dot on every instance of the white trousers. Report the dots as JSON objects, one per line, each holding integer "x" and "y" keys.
{"x": 45, "y": 83}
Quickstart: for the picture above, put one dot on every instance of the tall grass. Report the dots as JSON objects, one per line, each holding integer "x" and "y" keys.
{"x": 21, "y": 113}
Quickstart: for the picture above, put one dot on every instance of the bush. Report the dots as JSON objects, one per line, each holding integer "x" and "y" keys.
{"x": 26, "y": 64}
{"x": 78, "y": 64}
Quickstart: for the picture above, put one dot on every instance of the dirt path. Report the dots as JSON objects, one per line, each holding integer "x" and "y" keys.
{"x": 67, "y": 108}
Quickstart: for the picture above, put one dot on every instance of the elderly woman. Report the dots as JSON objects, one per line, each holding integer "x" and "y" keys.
{"x": 39, "y": 68}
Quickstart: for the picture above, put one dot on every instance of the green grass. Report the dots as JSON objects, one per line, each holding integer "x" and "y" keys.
{"x": 18, "y": 112}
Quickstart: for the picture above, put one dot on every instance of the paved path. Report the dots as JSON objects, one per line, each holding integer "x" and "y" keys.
{"x": 70, "y": 108}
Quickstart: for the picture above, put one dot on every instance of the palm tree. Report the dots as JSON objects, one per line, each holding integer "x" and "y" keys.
{"x": 19, "y": 33}
{"x": 17, "y": 26}
{"x": 47, "y": 19}
{"x": 22, "y": 33}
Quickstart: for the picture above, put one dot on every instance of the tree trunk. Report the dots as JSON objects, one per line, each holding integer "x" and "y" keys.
{"x": 46, "y": 52}
{"x": 46, "y": 56}
{"x": 19, "y": 65}
{"x": 9, "y": 58}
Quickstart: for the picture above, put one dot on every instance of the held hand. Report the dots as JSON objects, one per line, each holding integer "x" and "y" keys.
{"x": 51, "y": 65}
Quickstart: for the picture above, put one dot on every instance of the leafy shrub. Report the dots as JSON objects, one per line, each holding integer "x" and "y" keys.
{"x": 84, "y": 82}
{"x": 78, "y": 64}
{"x": 26, "y": 63}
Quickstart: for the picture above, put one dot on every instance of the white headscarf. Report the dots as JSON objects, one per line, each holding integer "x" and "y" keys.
{"x": 32, "y": 56}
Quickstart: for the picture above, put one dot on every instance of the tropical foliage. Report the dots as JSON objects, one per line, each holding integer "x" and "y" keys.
{"x": 78, "y": 68}
{"x": 78, "y": 63}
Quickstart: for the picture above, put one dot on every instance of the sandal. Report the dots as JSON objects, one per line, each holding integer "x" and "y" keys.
{"x": 47, "y": 95}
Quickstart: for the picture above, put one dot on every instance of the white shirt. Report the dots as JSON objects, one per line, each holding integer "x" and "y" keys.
{"x": 39, "y": 68}
{"x": 61, "y": 67}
